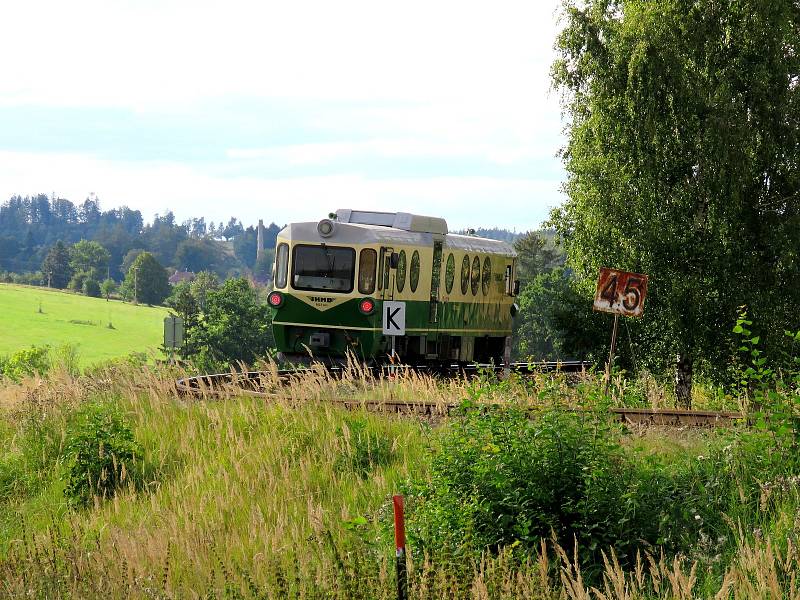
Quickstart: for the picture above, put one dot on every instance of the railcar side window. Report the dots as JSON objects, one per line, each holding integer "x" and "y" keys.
{"x": 486, "y": 276}
{"x": 476, "y": 275}
{"x": 323, "y": 268}
{"x": 367, "y": 262}
{"x": 464, "y": 274}
{"x": 281, "y": 266}
{"x": 401, "y": 271}
{"x": 413, "y": 273}
{"x": 449, "y": 273}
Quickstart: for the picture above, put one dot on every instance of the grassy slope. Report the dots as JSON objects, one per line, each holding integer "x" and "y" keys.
{"x": 136, "y": 328}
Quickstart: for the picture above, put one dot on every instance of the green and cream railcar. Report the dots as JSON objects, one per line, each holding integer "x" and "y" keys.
{"x": 332, "y": 277}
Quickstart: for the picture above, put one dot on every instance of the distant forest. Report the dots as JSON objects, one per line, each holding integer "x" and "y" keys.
{"x": 31, "y": 225}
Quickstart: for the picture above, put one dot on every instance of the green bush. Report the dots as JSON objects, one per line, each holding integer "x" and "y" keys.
{"x": 502, "y": 477}
{"x": 91, "y": 288}
{"x": 101, "y": 453}
{"x": 25, "y": 363}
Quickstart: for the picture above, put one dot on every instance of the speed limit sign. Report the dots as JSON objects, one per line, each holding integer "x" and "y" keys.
{"x": 620, "y": 292}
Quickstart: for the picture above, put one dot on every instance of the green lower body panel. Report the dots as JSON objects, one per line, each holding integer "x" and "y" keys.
{"x": 450, "y": 331}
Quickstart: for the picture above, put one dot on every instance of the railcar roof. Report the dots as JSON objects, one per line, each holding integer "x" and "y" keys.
{"x": 359, "y": 233}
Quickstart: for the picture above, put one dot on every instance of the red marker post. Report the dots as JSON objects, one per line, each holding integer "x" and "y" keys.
{"x": 400, "y": 547}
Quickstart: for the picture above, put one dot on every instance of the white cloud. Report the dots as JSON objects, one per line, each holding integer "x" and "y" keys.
{"x": 148, "y": 54}
{"x": 443, "y": 80}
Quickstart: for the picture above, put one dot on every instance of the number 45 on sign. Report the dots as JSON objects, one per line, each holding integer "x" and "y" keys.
{"x": 620, "y": 292}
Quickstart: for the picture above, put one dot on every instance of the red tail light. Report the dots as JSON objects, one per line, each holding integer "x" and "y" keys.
{"x": 275, "y": 299}
{"x": 367, "y": 306}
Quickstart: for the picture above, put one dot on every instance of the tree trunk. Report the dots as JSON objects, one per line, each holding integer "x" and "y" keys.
{"x": 683, "y": 381}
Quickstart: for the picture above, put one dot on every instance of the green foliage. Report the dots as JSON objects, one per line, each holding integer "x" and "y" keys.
{"x": 65, "y": 359}
{"x": 91, "y": 288}
{"x": 25, "y": 363}
{"x": 108, "y": 287}
{"x": 262, "y": 270}
{"x": 129, "y": 258}
{"x": 146, "y": 280}
{"x": 556, "y": 321}
{"x": 682, "y": 160}
{"x": 188, "y": 301}
{"x": 535, "y": 255}
{"x": 362, "y": 447}
{"x": 775, "y": 400}
{"x": 29, "y": 462}
{"x": 89, "y": 258}
{"x": 101, "y": 453}
{"x": 203, "y": 254}
{"x": 504, "y": 477}
{"x": 203, "y": 283}
{"x": 56, "y": 269}
{"x": 235, "y": 326}
{"x": 29, "y": 225}
{"x": 77, "y": 281}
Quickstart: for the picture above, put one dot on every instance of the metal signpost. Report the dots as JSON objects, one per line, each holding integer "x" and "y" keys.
{"x": 620, "y": 293}
{"x": 173, "y": 333}
{"x": 394, "y": 322}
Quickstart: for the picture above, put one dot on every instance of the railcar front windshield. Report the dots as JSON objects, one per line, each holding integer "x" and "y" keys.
{"x": 323, "y": 268}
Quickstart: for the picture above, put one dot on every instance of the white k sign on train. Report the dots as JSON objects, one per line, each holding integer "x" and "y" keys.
{"x": 394, "y": 318}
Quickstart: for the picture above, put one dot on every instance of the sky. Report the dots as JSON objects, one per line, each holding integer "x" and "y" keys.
{"x": 284, "y": 111}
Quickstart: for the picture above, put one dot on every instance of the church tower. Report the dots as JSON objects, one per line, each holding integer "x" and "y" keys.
{"x": 260, "y": 240}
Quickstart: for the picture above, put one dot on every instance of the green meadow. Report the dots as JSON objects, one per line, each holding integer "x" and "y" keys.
{"x": 39, "y": 316}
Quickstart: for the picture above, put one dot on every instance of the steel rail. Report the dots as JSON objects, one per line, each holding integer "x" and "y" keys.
{"x": 259, "y": 383}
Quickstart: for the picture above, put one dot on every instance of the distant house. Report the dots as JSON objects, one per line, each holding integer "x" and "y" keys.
{"x": 179, "y": 276}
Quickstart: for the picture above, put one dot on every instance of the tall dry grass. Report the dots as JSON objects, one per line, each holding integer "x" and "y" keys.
{"x": 249, "y": 497}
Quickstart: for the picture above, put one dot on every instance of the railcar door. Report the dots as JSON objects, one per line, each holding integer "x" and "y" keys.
{"x": 387, "y": 268}
{"x": 436, "y": 274}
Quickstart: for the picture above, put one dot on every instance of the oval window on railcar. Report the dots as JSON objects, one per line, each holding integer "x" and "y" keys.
{"x": 465, "y": 275}
{"x": 401, "y": 271}
{"x": 413, "y": 272}
{"x": 367, "y": 263}
{"x": 449, "y": 273}
{"x": 486, "y": 276}
{"x": 476, "y": 275}
{"x": 282, "y": 266}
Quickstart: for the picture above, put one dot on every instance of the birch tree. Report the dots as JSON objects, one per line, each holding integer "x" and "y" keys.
{"x": 682, "y": 153}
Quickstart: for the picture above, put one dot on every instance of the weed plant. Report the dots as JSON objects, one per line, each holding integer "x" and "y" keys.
{"x": 100, "y": 453}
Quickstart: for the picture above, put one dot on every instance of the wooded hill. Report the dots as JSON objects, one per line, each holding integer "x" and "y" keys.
{"x": 31, "y": 225}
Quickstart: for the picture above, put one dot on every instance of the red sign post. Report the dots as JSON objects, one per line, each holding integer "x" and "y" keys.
{"x": 400, "y": 548}
{"x": 621, "y": 293}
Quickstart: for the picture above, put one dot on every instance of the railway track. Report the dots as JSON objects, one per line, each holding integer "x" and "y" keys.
{"x": 266, "y": 384}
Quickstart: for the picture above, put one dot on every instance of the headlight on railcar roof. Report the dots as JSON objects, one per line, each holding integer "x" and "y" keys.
{"x": 325, "y": 228}
{"x": 367, "y": 306}
{"x": 275, "y": 299}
